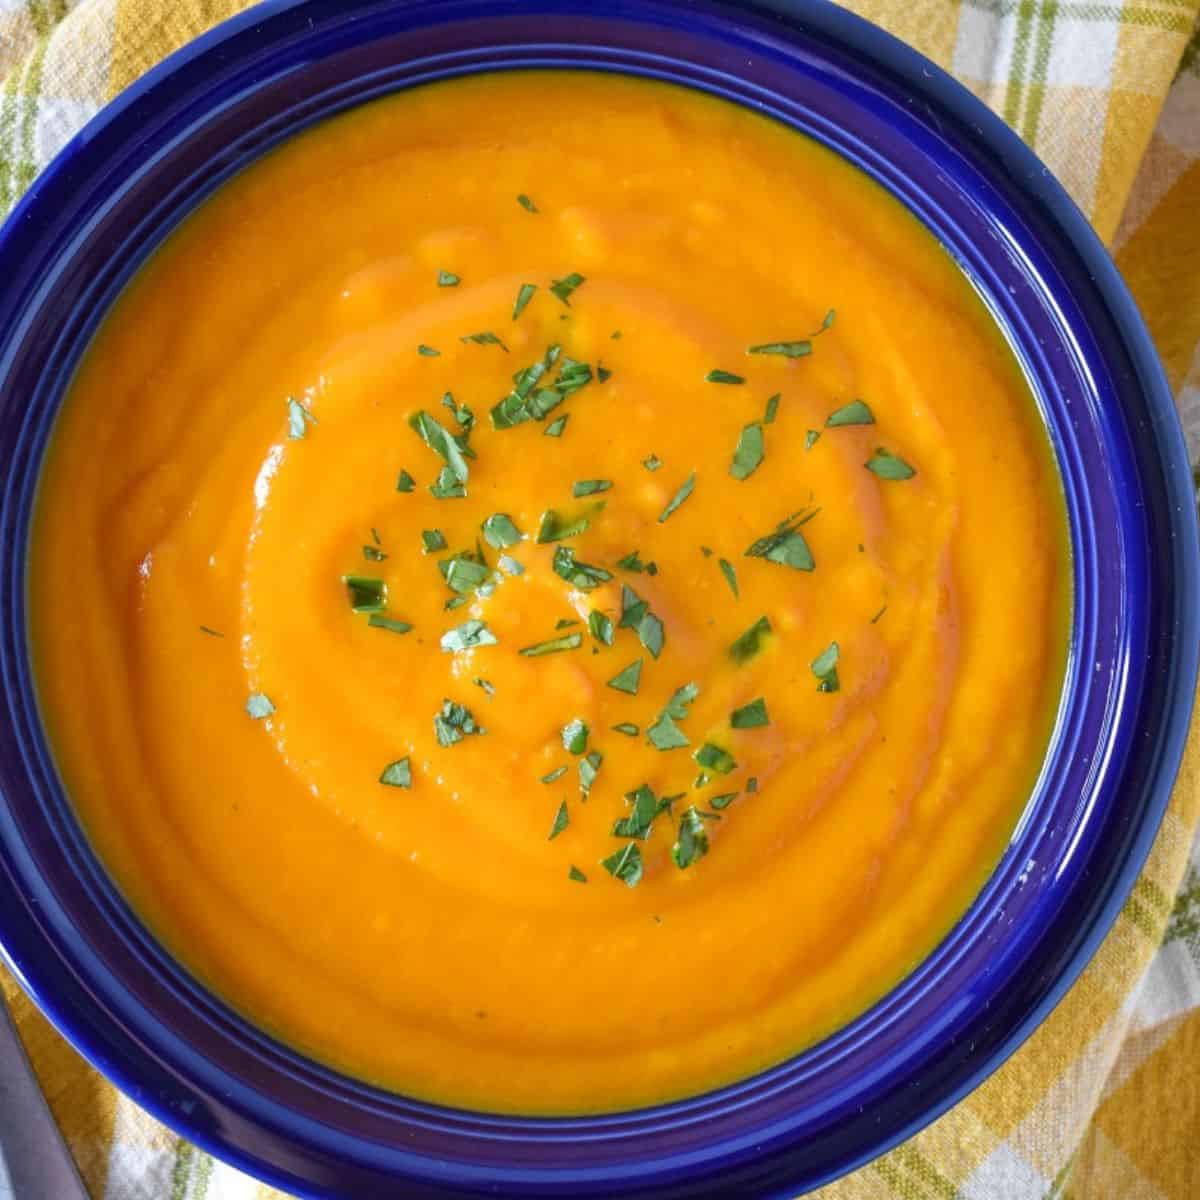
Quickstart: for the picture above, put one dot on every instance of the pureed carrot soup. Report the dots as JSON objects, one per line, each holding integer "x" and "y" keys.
{"x": 550, "y": 592}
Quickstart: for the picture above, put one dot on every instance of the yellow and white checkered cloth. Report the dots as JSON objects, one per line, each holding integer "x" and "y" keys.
{"x": 1103, "y": 1103}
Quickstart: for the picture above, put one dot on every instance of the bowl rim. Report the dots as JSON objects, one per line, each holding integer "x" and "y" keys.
{"x": 942, "y": 93}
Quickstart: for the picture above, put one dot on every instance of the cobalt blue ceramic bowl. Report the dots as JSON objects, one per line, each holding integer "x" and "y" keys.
{"x": 164, "y": 145}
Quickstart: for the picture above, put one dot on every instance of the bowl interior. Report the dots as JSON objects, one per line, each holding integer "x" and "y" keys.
{"x": 120, "y": 187}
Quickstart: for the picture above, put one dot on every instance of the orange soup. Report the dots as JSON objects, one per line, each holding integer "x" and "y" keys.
{"x": 549, "y": 592}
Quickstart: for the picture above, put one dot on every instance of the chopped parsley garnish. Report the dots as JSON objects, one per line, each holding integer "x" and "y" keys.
{"x": 786, "y": 545}
{"x": 468, "y": 636}
{"x": 564, "y": 623}
{"x": 716, "y": 376}
{"x": 748, "y": 453}
{"x": 601, "y": 627}
{"x": 692, "y": 843}
{"x": 752, "y": 785}
{"x": 826, "y": 324}
{"x": 211, "y": 632}
{"x": 628, "y": 728}
{"x": 499, "y": 531}
{"x": 299, "y": 419}
{"x": 724, "y": 800}
{"x": 713, "y": 758}
{"x": 447, "y": 279}
{"x": 854, "y": 413}
{"x": 528, "y": 401}
{"x": 484, "y": 338}
{"x": 524, "y": 295}
{"x": 685, "y": 490}
{"x": 562, "y": 288}
{"x": 488, "y": 688}
{"x": 603, "y": 374}
{"x": 633, "y": 608}
{"x": 405, "y": 483}
{"x": 625, "y": 865}
{"x": 557, "y": 773}
{"x": 576, "y": 875}
{"x": 556, "y": 427}
{"x": 259, "y": 705}
{"x": 579, "y": 574}
{"x": 397, "y": 774}
{"x": 442, "y": 442}
{"x": 652, "y": 463}
{"x": 730, "y": 576}
{"x": 589, "y": 487}
{"x": 561, "y": 820}
{"x": 664, "y": 734}
{"x": 465, "y": 418}
{"x": 645, "y": 807}
{"x": 575, "y": 736}
{"x": 824, "y": 667}
{"x": 569, "y": 641}
{"x": 628, "y": 679}
{"x": 510, "y": 565}
{"x": 433, "y": 540}
{"x": 447, "y": 486}
{"x": 589, "y": 768}
{"x": 633, "y": 562}
{"x": 811, "y": 438}
{"x": 527, "y": 204}
{"x": 454, "y": 723}
{"x": 379, "y": 621}
{"x": 750, "y": 716}
{"x": 750, "y": 642}
{"x": 555, "y": 526}
{"x": 366, "y": 594}
{"x": 650, "y": 634}
{"x": 888, "y": 466}
{"x": 428, "y": 351}
{"x": 464, "y": 572}
{"x": 879, "y": 614}
{"x": 795, "y": 349}
{"x": 374, "y": 554}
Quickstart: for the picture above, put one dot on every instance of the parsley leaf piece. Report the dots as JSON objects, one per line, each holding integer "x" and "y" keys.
{"x": 453, "y": 723}
{"x": 750, "y": 642}
{"x": 577, "y": 875}
{"x": 628, "y": 728}
{"x": 650, "y": 634}
{"x": 379, "y": 621}
{"x": 299, "y": 419}
{"x": 730, "y": 576}
{"x": 748, "y": 453}
{"x": 488, "y": 687}
{"x": 405, "y": 483}
{"x": 854, "y": 413}
{"x": 628, "y": 679}
{"x": 562, "y": 288}
{"x": 879, "y": 614}
{"x": 685, "y": 490}
{"x": 589, "y": 768}
{"x": 447, "y": 486}
{"x": 811, "y": 438}
{"x": 681, "y": 700}
{"x": 463, "y": 573}
{"x": 603, "y": 374}
{"x": 824, "y": 667}
{"x": 652, "y": 463}
{"x": 499, "y": 531}
{"x": 750, "y": 716}
{"x": 366, "y": 594}
{"x": 579, "y": 574}
{"x": 633, "y": 608}
{"x": 724, "y": 800}
{"x": 633, "y": 562}
{"x": 555, "y": 527}
{"x": 441, "y": 442}
{"x": 557, "y": 773}
{"x": 888, "y": 466}
{"x": 772, "y": 409}
{"x": 664, "y": 734}
{"x": 211, "y": 632}
{"x": 569, "y": 641}
{"x": 564, "y": 623}
{"x": 601, "y": 627}
{"x": 556, "y": 427}
{"x": 561, "y": 820}
{"x": 428, "y": 351}
{"x": 785, "y": 546}
{"x": 468, "y": 636}
{"x": 713, "y": 758}
{"x": 645, "y": 807}
{"x": 575, "y": 736}
{"x": 589, "y": 487}
{"x": 716, "y": 376}
{"x": 510, "y": 565}
{"x": 527, "y": 204}
{"x": 433, "y": 540}
{"x": 447, "y": 279}
{"x": 692, "y": 843}
{"x": 796, "y": 349}
{"x": 625, "y": 865}
{"x": 397, "y": 774}
{"x": 524, "y": 295}
{"x": 374, "y": 554}
{"x": 259, "y": 705}
{"x": 484, "y": 338}
{"x": 827, "y": 323}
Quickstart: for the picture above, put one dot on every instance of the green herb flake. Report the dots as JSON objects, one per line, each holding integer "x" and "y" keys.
{"x": 428, "y": 351}
{"x": 879, "y": 614}
{"x": 664, "y": 734}
{"x": 854, "y": 413}
{"x": 589, "y": 487}
{"x": 527, "y": 204}
{"x": 601, "y": 627}
{"x": 468, "y": 636}
{"x": 366, "y": 594}
{"x": 650, "y": 634}
{"x": 786, "y": 545}
{"x": 645, "y": 806}
{"x": 379, "y": 621}
{"x": 692, "y": 843}
{"x": 633, "y": 608}
{"x": 575, "y": 736}
{"x": 564, "y": 623}
{"x": 752, "y": 785}
{"x": 628, "y": 679}
{"x": 442, "y": 442}
{"x": 772, "y": 409}
{"x": 685, "y": 490}
{"x": 717, "y": 376}
{"x": 800, "y": 348}
{"x": 633, "y": 562}
{"x": 397, "y": 774}
{"x": 447, "y": 279}
{"x": 447, "y": 486}
{"x": 259, "y": 706}
{"x": 405, "y": 483}
{"x": 750, "y": 642}
{"x": 827, "y": 323}
{"x": 888, "y": 466}
{"x": 561, "y": 820}
{"x": 625, "y": 865}
{"x": 562, "y": 288}
{"x": 750, "y": 716}
{"x": 463, "y": 573}
{"x": 299, "y": 419}
{"x": 524, "y": 295}
{"x": 453, "y": 723}
{"x": 555, "y": 527}
{"x": 485, "y": 338}
{"x": 557, "y": 773}
{"x": 576, "y": 875}
{"x": 713, "y": 758}
{"x": 579, "y": 574}
{"x": 433, "y": 540}
{"x": 589, "y": 768}
{"x": 499, "y": 531}
{"x": 748, "y": 453}
{"x": 603, "y": 374}
{"x": 811, "y": 438}
{"x": 628, "y": 728}
{"x": 652, "y": 463}
{"x": 569, "y": 641}
{"x": 488, "y": 688}
{"x": 556, "y": 427}
{"x": 730, "y": 576}
{"x": 724, "y": 800}
{"x": 211, "y": 632}
{"x": 824, "y": 667}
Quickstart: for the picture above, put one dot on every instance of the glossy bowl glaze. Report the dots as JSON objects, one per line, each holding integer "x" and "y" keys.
{"x": 165, "y": 144}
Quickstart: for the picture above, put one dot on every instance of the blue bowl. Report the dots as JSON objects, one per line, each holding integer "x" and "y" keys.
{"x": 154, "y": 154}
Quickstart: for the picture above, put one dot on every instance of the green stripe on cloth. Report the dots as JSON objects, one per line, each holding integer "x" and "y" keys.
{"x": 31, "y": 98}
{"x": 1015, "y": 92}
{"x": 1145, "y": 17}
{"x": 1041, "y": 64}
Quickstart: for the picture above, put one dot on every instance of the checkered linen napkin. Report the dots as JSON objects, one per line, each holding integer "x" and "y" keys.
{"x": 1103, "y": 1103}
